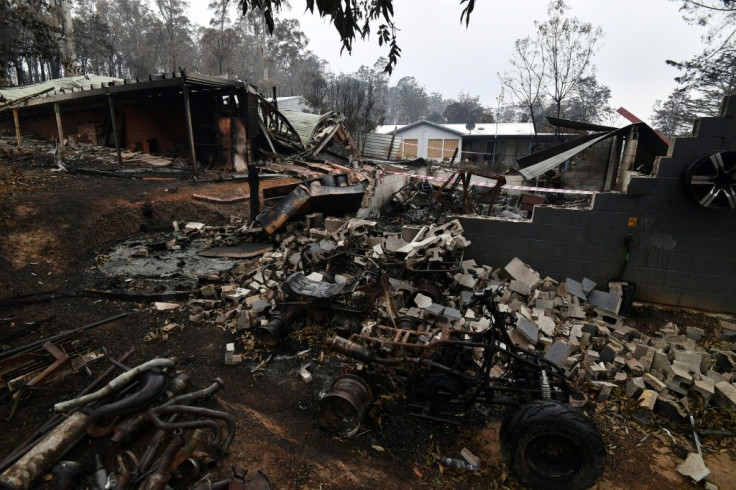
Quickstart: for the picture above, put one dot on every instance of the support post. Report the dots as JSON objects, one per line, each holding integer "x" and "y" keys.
{"x": 190, "y": 132}
{"x": 58, "y": 126}
{"x": 115, "y": 133}
{"x": 17, "y": 125}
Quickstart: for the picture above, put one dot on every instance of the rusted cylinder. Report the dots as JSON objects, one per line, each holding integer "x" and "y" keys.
{"x": 349, "y": 348}
{"x": 278, "y": 328}
{"x": 342, "y": 409}
{"x": 41, "y": 457}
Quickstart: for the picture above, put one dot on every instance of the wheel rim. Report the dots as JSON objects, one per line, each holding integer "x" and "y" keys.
{"x": 554, "y": 456}
{"x": 712, "y": 180}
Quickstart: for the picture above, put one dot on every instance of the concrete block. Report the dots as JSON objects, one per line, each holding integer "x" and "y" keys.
{"x": 635, "y": 387}
{"x": 610, "y": 351}
{"x": 558, "y": 353}
{"x": 605, "y": 390}
{"x": 519, "y": 339}
{"x": 521, "y": 287}
{"x": 575, "y": 288}
{"x": 693, "y": 467}
{"x": 725, "y": 394}
{"x": 547, "y": 325}
{"x": 519, "y": 271}
{"x": 588, "y": 285}
{"x": 634, "y": 367}
{"x": 653, "y": 383}
{"x": 705, "y": 387}
{"x": 597, "y": 370}
{"x": 605, "y": 301}
{"x": 682, "y": 376}
{"x": 422, "y": 301}
{"x": 648, "y": 399}
{"x": 528, "y": 329}
{"x": 694, "y": 333}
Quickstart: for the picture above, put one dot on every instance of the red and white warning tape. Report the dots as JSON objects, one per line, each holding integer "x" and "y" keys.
{"x": 492, "y": 183}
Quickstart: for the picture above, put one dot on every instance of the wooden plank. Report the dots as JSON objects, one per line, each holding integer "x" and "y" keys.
{"x": 243, "y": 251}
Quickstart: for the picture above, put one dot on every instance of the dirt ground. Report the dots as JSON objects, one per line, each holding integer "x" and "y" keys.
{"x": 53, "y": 225}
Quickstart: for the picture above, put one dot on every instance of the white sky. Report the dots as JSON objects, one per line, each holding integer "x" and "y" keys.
{"x": 447, "y": 58}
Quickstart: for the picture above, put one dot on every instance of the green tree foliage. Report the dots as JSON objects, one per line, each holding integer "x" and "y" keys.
{"x": 674, "y": 116}
{"x": 467, "y": 109}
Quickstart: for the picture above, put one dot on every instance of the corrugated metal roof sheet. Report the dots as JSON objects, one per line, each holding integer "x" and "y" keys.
{"x": 10, "y": 95}
{"x": 304, "y": 123}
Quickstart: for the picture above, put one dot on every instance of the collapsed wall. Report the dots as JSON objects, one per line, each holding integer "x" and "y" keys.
{"x": 663, "y": 233}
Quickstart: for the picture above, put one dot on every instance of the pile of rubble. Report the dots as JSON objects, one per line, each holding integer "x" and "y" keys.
{"x": 365, "y": 277}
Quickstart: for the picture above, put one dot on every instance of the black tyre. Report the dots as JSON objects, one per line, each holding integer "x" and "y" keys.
{"x": 553, "y": 446}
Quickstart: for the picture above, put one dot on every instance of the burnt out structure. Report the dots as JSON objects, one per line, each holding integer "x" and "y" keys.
{"x": 669, "y": 230}
{"x": 604, "y": 159}
{"x": 207, "y": 119}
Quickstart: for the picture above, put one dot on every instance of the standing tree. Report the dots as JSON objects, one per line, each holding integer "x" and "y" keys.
{"x": 589, "y": 101}
{"x": 466, "y": 109}
{"x": 711, "y": 75}
{"x": 525, "y": 79}
{"x": 220, "y": 23}
{"x": 674, "y": 116}
{"x": 177, "y": 28}
{"x": 408, "y": 101}
{"x": 566, "y": 47}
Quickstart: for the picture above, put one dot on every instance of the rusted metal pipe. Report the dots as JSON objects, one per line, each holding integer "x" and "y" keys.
{"x": 159, "y": 479}
{"x": 197, "y": 439}
{"x": 152, "y": 385}
{"x": 197, "y": 395}
{"x": 189, "y": 424}
{"x": 114, "y": 385}
{"x": 41, "y": 457}
{"x": 152, "y": 448}
{"x": 36, "y": 437}
{"x": 133, "y": 425}
{"x": 205, "y": 413}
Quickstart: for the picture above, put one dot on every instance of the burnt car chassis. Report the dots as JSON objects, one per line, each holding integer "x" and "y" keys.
{"x": 445, "y": 372}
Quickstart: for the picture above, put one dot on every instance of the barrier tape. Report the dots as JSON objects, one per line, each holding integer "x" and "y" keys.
{"x": 492, "y": 183}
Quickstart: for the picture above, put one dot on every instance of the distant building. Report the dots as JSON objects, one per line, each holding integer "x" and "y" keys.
{"x": 295, "y": 103}
{"x": 484, "y": 144}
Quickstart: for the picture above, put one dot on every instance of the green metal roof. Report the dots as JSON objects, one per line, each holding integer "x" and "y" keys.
{"x": 14, "y": 94}
{"x": 305, "y": 123}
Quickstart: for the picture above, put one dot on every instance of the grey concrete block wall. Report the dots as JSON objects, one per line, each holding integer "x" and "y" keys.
{"x": 680, "y": 253}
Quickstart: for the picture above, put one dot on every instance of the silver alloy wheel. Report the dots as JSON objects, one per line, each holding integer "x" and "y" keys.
{"x": 711, "y": 180}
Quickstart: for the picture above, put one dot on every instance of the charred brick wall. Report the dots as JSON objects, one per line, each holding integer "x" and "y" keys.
{"x": 150, "y": 124}
{"x": 680, "y": 253}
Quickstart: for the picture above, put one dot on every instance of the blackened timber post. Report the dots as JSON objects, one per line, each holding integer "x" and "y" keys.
{"x": 17, "y": 125}
{"x": 58, "y": 126}
{"x": 115, "y": 132}
{"x": 190, "y": 131}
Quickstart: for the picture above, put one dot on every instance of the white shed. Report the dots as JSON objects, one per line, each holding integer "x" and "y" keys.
{"x": 425, "y": 139}
{"x": 296, "y": 103}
